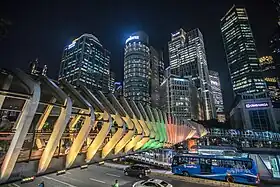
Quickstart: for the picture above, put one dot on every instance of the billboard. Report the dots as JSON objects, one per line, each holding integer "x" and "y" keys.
{"x": 256, "y": 105}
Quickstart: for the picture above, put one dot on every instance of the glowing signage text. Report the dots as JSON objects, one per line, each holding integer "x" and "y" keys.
{"x": 132, "y": 38}
{"x": 175, "y": 34}
{"x": 214, "y": 83}
{"x": 71, "y": 45}
{"x": 256, "y": 105}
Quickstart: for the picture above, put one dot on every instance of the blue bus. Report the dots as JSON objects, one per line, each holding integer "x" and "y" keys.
{"x": 225, "y": 168}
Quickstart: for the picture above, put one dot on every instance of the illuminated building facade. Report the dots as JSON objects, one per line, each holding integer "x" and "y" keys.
{"x": 241, "y": 53}
{"x": 112, "y": 79}
{"x": 137, "y": 68}
{"x": 253, "y": 112}
{"x": 271, "y": 77}
{"x": 217, "y": 95}
{"x": 86, "y": 62}
{"x": 179, "y": 97}
{"x": 157, "y": 70}
{"x": 187, "y": 58}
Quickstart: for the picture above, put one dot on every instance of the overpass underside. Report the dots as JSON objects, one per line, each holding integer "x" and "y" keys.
{"x": 48, "y": 126}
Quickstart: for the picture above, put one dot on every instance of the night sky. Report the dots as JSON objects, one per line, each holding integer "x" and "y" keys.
{"x": 41, "y": 28}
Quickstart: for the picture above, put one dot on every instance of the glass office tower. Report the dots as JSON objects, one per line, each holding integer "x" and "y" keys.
{"x": 180, "y": 98}
{"x": 157, "y": 71}
{"x": 112, "y": 79}
{"x": 241, "y": 53}
{"x": 217, "y": 95}
{"x": 137, "y": 68}
{"x": 86, "y": 62}
{"x": 187, "y": 58}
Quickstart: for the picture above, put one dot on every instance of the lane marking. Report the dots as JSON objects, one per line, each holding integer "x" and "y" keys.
{"x": 97, "y": 180}
{"x": 68, "y": 173}
{"x": 56, "y": 180}
{"x": 113, "y": 175}
{"x": 71, "y": 178}
{"x": 16, "y": 185}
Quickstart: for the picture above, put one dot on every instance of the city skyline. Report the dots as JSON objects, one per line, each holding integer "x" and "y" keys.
{"x": 60, "y": 38}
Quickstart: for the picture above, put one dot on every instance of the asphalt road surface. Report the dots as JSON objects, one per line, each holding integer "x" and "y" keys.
{"x": 94, "y": 176}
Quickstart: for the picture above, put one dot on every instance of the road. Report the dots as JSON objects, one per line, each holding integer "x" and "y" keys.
{"x": 93, "y": 176}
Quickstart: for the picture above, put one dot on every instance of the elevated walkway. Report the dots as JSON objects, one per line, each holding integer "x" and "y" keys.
{"x": 48, "y": 126}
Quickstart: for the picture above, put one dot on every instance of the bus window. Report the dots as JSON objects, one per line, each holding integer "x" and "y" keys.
{"x": 247, "y": 164}
{"x": 217, "y": 163}
{"x": 183, "y": 160}
{"x": 193, "y": 161}
{"x": 238, "y": 164}
{"x": 175, "y": 160}
{"x": 228, "y": 163}
{"x": 205, "y": 161}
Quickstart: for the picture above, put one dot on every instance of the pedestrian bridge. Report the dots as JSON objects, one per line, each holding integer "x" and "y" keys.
{"x": 48, "y": 126}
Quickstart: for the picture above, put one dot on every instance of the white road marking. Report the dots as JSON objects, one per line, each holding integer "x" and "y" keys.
{"x": 56, "y": 180}
{"x": 113, "y": 175}
{"x": 71, "y": 178}
{"x": 15, "y": 185}
{"x": 69, "y": 173}
{"x": 97, "y": 180}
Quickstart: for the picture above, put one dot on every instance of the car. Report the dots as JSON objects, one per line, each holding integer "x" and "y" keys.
{"x": 152, "y": 183}
{"x": 137, "y": 170}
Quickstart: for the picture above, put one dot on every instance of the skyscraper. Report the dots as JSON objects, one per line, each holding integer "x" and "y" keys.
{"x": 112, "y": 79}
{"x": 241, "y": 53}
{"x": 137, "y": 68}
{"x": 187, "y": 58}
{"x": 86, "y": 62}
{"x": 180, "y": 98}
{"x": 271, "y": 77}
{"x": 217, "y": 94}
{"x": 157, "y": 69}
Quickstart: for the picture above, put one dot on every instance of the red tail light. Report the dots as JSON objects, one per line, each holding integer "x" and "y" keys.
{"x": 258, "y": 179}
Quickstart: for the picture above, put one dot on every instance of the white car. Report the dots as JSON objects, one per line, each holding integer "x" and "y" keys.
{"x": 152, "y": 182}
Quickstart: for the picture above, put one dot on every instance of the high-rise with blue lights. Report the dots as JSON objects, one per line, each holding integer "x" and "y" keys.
{"x": 241, "y": 53}
{"x": 137, "y": 70}
{"x": 86, "y": 62}
{"x": 143, "y": 70}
